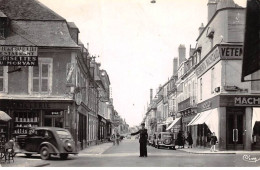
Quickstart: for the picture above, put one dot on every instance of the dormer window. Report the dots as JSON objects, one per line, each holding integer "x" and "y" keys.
{"x": 3, "y": 25}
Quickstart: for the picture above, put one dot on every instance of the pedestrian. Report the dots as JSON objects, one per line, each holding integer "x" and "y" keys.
{"x": 180, "y": 140}
{"x": 117, "y": 138}
{"x": 189, "y": 140}
{"x": 213, "y": 141}
{"x": 142, "y": 140}
{"x": 113, "y": 138}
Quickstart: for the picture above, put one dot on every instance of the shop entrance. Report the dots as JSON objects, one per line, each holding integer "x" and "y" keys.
{"x": 235, "y": 128}
{"x": 54, "y": 119}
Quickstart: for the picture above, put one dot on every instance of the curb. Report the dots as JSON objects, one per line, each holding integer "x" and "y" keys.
{"x": 42, "y": 165}
{"x": 208, "y": 153}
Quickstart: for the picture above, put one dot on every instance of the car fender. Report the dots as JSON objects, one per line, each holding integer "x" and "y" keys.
{"x": 52, "y": 148}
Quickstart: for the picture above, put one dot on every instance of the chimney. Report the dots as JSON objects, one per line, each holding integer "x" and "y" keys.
{"x": 212, "y": 7}
{"x": 182, "y": 54}
{"x": 201, "y": 28}
{"x": 151, "y": 95}
{"x": 175, "y": 65}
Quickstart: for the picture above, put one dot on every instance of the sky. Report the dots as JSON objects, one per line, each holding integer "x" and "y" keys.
{"x": 136, "y": 42}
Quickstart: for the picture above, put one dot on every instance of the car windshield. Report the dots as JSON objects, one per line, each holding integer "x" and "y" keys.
{"x": 63, "y": 134}
{"x": 167, "y": 135}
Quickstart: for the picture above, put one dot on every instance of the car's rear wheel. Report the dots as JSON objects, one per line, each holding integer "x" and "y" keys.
{"x": 45, "y": 153}
{"x": 28, "y": 155}
{"x": 64, "y": 156}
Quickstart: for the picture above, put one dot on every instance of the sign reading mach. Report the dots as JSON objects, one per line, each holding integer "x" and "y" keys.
{"x": 242, "y": 101}
{"x": 18, "y": 56}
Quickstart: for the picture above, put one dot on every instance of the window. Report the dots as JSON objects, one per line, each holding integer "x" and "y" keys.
{"x": 41, "y": 77}
{"x": 3, "y": 79}
{"x": 255, "y": 85}
{"x": 212, "y": 80}
{"x": 200, "y": 88}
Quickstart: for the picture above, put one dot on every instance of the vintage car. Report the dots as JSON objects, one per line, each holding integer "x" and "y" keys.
{"x": 47, "y": 141}
{"x": 165, "y": 139}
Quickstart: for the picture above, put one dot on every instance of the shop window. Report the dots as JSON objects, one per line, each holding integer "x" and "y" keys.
{"x": 41, "y": 77}
{"x": 255, "y": 85}
{"x": 3, "y": 79}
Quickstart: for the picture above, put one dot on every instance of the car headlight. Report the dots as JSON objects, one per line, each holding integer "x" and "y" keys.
{"x": 69, "y": 144}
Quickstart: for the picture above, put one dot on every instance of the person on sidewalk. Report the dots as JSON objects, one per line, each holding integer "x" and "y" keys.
{"x": 180, "y": 140}
{"x": 117, "y": 138}
{"x": 189, "y": 140}
{"x": 213, "y": 141}
{"x": 142, "y": 140}
{"x": 113, "y": 138}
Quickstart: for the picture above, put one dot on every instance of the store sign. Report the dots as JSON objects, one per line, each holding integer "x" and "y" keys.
{"x": 247, "y": 101}
{"x": 227, "y": 52}
{"x": 211, "y": 103}
{"x": 184, "y": 104}
{"x": 18, "y": 56}
{"x": 211, "y": 59}
{"x": 28, "y": 105}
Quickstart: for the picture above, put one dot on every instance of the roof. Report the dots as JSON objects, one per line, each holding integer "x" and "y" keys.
{"x": 40, "y": 33}
{"x": 73, "y": 25}
{"x": 28, "y": 10}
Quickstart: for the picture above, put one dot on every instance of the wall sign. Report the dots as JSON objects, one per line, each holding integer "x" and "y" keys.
{"x": 247, "y": 101}
{"x": 211, "y": 59}
{"x": 221, "y": 52}
{"x": 18, "y": 56}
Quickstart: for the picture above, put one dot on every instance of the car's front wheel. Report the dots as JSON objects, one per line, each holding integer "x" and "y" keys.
{"x": 45, "y": 153}
{"x": 64, "y": 156}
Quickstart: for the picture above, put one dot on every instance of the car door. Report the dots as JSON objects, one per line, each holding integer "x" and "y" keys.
{"x": 33, "y": 141}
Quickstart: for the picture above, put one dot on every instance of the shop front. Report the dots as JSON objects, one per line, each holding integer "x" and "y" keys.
{"x": 33, "y": 113}
{"x": 101, "y": 128}
{"x": 233, "y": 118}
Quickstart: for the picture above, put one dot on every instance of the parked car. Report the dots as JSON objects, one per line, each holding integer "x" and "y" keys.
{"x": 47, "y": 141}
{"x": 165, "y": 139}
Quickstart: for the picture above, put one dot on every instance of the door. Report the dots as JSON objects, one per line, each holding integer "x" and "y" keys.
{"x": 235, "y": 128}
{"x": 53, "y": 121}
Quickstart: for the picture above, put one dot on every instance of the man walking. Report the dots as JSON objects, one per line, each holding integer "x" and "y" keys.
{"x": 142, "y": 140}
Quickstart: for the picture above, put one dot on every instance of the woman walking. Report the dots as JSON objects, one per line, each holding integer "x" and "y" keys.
{"x": 189, "y": 140}
{"x": 213, "y": 141}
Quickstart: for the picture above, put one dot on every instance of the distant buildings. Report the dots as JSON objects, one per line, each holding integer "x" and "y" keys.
{"x": 206, "y": 94}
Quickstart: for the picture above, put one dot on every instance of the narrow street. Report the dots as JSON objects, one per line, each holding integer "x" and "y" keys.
{"x": 127, "y": 155}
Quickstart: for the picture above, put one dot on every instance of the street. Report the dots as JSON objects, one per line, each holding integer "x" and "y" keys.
{"x": 127, "y": 155}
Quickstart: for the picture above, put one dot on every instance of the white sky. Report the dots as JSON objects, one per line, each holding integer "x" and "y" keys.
{"x": 136, "y": 41}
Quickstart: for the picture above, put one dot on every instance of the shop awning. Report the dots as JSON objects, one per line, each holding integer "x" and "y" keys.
{"x": 210, "y": 118}
{"x": 202, "y": 118}
{"x": 4, "y": 116}
{"x": 194, "y": 119}
{"x": 173, "y": 123}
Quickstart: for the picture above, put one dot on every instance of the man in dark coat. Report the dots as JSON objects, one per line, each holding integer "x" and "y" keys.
{"x": 142, "y": 140}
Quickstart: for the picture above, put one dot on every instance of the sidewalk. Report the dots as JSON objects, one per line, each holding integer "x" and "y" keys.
{"x": 207, "y": 151}
{"x": 96, "y": 149}
{"x": 21, "y": 161}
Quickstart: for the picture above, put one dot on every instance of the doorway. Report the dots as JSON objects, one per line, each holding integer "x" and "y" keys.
{"x": 235, "y": 128}
{"x": 54, "y": 119}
